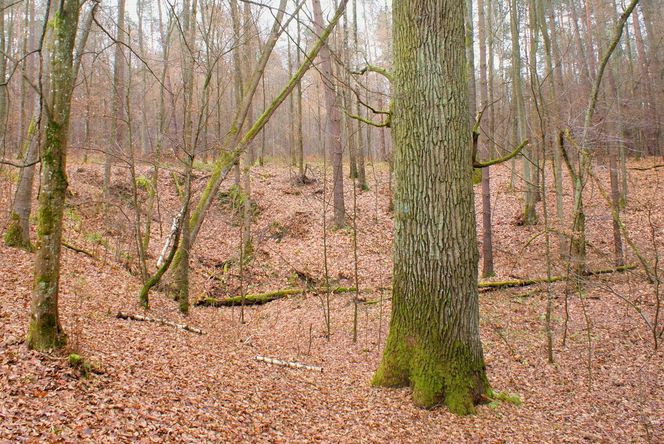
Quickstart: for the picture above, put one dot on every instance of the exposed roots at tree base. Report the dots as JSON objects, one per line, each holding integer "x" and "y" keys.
{"x": 458, "y": 381}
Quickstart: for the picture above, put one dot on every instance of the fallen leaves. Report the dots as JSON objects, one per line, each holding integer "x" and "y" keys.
{"x": 161, "y": 384}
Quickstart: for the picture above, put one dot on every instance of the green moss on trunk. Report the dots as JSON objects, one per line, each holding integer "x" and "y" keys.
{"x": 14, "y": 234}
{"x": 46, "y": 334}
{"x": 44, "y": 330}
{"x": 454, "y": 377}
{"x": 434, "y": 343}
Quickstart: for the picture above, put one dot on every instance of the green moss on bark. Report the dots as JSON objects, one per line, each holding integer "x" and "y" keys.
{"x": 14, "y": 234}
{"x": 45, "y": 334}
{"x": 453, "y": 377}
{"x": 77, "y": 362}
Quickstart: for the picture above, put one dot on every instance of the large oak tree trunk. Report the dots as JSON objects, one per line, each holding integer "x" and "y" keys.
{"x": 434, "y": 342}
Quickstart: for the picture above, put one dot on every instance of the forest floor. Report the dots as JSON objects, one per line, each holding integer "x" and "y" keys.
{"x": 157, "y": 383}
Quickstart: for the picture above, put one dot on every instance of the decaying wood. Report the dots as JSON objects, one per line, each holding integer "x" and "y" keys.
{"x": 497, "y": 285}
{"x": 290, "y": 364}
{"x": 652, "y": 167}
{"x": 142, "y": 318}
{"x": 264, "y": 298}
{"x": 489, "y": 286}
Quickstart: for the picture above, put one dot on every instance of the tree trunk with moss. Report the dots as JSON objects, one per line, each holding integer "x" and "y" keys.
{"x": 45, "y": 331}
{"x": 434, "y": 342}
{"x": 18, "y": 229}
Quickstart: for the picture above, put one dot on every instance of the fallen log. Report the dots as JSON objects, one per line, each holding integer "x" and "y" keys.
{"x": 78, "y": 250}
{"x": 141, "y": 318}
{"x": 652, "y": 167}
{"x": 497, "y": 285}
{"x": 264, "y": 298}
{"x": 489, "y": 286}
{"x": 290, "y": 364}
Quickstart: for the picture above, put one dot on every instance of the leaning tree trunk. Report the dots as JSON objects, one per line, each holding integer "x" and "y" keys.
{"x": 578, "y": 241}
{"x": 45, "y": 331}
{"x": 434, "y": 342}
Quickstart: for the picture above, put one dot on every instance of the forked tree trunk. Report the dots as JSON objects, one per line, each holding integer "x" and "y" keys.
{"x": 578, "y": 241}
{"x": 434, "y": 342}
{"x": 45, "y": 331}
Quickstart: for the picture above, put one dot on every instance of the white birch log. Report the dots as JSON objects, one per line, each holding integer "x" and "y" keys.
{"x": 290, "y": 364}
{"x": 169, "y": 240}
{"x": 141, "y": 318}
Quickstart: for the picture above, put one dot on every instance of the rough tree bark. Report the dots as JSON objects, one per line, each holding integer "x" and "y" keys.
{"x": 433, "y": 343}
